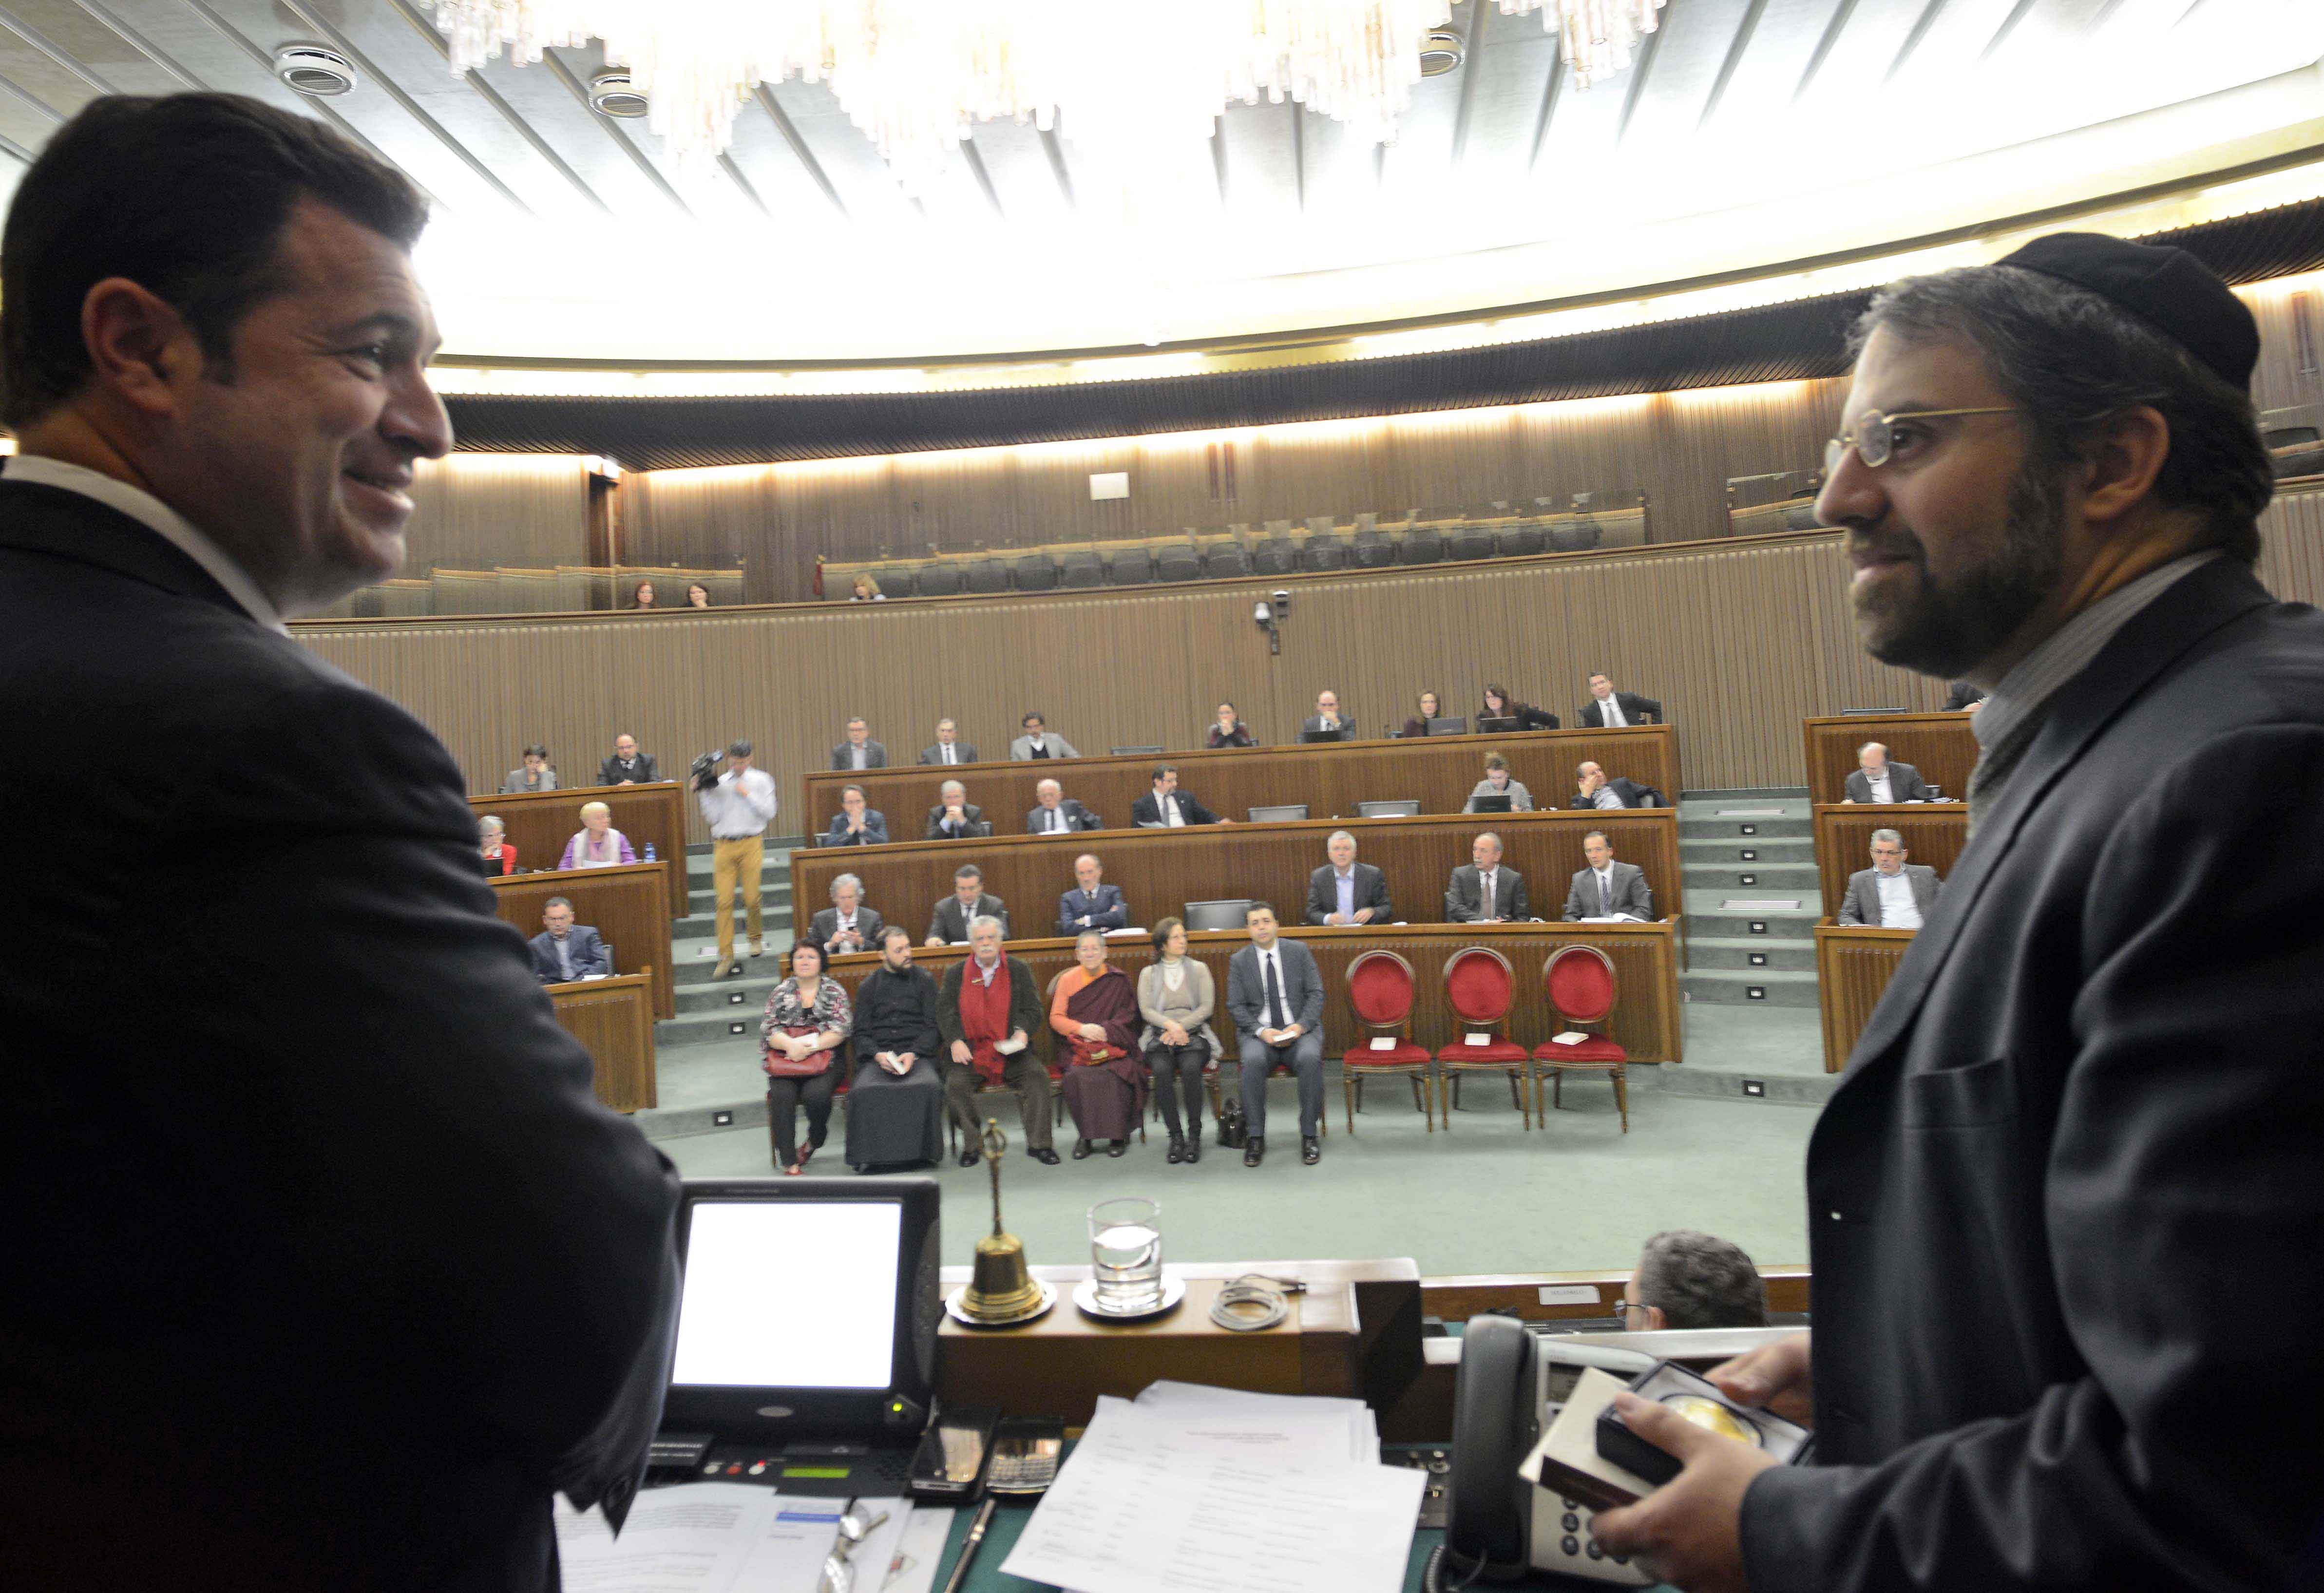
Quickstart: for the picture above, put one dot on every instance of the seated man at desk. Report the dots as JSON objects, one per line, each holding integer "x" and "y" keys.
{"x": 1500, "y": 782}
{"x": 987, "y": 1014}
{"x": 1344, "y": 891}
{"x": 1693, "y": 1280}
{"x": 1275, "y": 994}
{"x": 859, "y": 751}
{"x": 1091, "y": 903}
{"x": 1039, "y": 742}
{"x": 1892, "y": 894}
{"x": 1327, "y": 719}
{"x": 628, "y": 766}
{"x": 1594, "y": 788}
{"x": 565, "y": 951}
{"x": 1484, "y": 892}
{"x": 1054, "y": 812}
{"x": 856, "y": 824}
{"x": 1876, "y": 779}
{"x": 948, "y": 746}
{"x": 847, "y": 925}
{"x": 1607, "y": 889}
{"x": 955, "y": 818}
{"x": 966, "y": 904}
{"x": 1166, "y": 807}
{"x": 1609, "y": 709}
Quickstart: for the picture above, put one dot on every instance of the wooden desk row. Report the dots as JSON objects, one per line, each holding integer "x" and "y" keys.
{"x": 1941, "y": 746}
{"x": 540, "y": 825}
{"x": 1161, "y": 870}
{"x": 1854, "y": 963}
{"x": 1330, "y": 777}
{"x": 1934, "y": 833}
{"x": 614, "y": 1020}
{"x": 628, "y": 904}
{"x": 1647, "y": 1019}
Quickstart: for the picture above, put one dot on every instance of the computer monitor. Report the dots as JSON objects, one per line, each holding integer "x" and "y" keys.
{"x": 1326, "y": 735}
{"x": 1407, "y": 808}
{"x": 1864, "y": 713}
{"x": 1497, "y": 727}
{"x": 1137, "y": 751}
{"x": 1457, "y": 726}
{"x": 808, "y": 1308}
{"x": 1219, "y": 915}
{"x": 1499, "y": 804}
{"x": 1282, "y": 812}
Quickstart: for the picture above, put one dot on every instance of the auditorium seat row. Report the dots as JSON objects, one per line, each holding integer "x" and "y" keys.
{"x": 563, "y": 589}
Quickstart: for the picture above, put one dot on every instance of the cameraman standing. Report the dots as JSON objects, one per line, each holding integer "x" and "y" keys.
{"x": 738, "y": 806}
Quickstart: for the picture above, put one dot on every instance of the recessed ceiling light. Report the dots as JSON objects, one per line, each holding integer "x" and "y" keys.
{"x": 313, "y": 70}
{"x": 612, "y": 94}
{"x": 1441, "y": 51}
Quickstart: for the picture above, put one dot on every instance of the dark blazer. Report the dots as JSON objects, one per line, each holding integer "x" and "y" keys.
{"x": 1315, "y": 722}
{"x": 933, "y": 752}
{"x": 1527, "y": 716}
{"x": 643, "y": 771}
{"x": 1633, "y": 794}
{"x": 824, "y": 925}
{"x": 1105, "y": 910}
{"x": 1027, "y": 1010}
{"x": 1323, "y": 892}
{"x": 949, "y": 923}
{"x": 590, "y": 954}
{"x": 1905, "y": 784}
{"x": 369, "y": 1209}
{"x": 1631, "y": 893}
{"x": 1148, "y": 809}
{"x": 1303, "y": 988}
{"x": 2083, "y": 1109}
{"x": 1862, "y": 904}
{"x": 1960, "y": 694}
{"x": 875, "y": 756}
{"x": 1077, "y": 817}
{"x": 1464, "y": 898}
{"x": 875, "y": 830}
{"x": 970, "y": 812}
{"x": 1636, "y": 709}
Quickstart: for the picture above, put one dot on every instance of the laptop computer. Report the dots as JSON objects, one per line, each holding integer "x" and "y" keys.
{"x": 1497, "y": 727}
{"x": 1280, "y": 813}
{"x": 1492, "y": 804}
{"x": 1217, "y": 915}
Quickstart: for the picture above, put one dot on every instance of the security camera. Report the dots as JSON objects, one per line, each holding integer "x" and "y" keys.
{"x": 1260, "y": 615}
{"x": 1282, "y": 602}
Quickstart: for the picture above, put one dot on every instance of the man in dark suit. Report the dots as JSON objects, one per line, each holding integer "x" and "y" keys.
{"x": 1609, "y": 709}
{"x": 856, "y": 824}
{"x": 1607, "y": 887}
{"x": 859, "y": 751}
{"x": 1344, "y": 891}
{"x": 955, "y": 818}
{"x": 1168, "y": 807}
{"x": 1091, "y": 904}
{"x": 1481, "y": 891}
{"x": 565, "y": 951}
{"x": 1892, "y": 894}
{"x": 1327, "y": 719}
{"x": 847, "y": 925}
{"x": 948, "y": 924}
{"x": 342, "y": 1294}
{"x": 1961, "y": 696}
{"x": 628, "y": 766}
{"x": 972, "y": 1040}
{"x": 1056, "y": 814}
{"x": 2086, "y": 1104}
{"x": 1593, "y": 788}
{"x": 948, "y": 746}
{"x": 1877, "y": 779}
{"x": 1275, "y": 994}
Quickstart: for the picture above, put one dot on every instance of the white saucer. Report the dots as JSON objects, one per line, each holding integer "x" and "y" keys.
{"x": 1174, "y": 1289}
{"x": 1048, "y": 1298}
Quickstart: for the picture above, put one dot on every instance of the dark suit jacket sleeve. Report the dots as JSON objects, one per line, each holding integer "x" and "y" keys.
{"x": 1851, "y": 910}
{"x": 1197, "y": 813}
{"x": 1638, "y": 896}
{"x": 937, "y": 923}
{"x": 1457, "y": 909}
{"x": 1577, "y": 908}
{"x": 1243, "y": 994}
{"x": 2196, "y": 1076}
{"x": 1915, "y": 789}
{"x": 1382, "y": 910}
{"x": 597, "y": 958}
{"x": 1519, "y": 909}
{"x": 1115, "y": 917}
{"x": 1323, "y": 901}
{"x": 875, "y": 825}
{"x": 650, "y": 768}
{"x": 1310, "y": 1013}
{"x": 948, "y": 1008}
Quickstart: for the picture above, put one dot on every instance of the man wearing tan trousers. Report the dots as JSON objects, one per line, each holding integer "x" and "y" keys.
{"x": 739, "y": 808}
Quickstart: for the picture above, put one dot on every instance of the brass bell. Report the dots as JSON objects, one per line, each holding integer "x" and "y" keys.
{"x": 1001, "y": 1290}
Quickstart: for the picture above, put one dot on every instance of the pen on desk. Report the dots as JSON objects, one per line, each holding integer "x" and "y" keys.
{"x": 968, "y": 1550}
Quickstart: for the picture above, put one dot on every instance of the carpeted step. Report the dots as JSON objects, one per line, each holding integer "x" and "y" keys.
{"x": 1776, "y": 987}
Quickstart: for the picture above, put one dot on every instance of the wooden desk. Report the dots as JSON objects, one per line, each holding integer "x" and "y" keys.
{"x": 1646, "y": 1021}
{"x": 1934, "y": 833}
{"x": 1330, "y": 777}
{"x": 1939, "y": 745}
{"x": 628, "y": 904}
{"x": 1161, "y": 870}
{"x": 541, "y": 824}
{"x": 614, "y": 1019}
{"x": 1854, "y": 963}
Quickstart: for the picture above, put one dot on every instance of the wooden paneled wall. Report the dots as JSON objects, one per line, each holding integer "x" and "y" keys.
{"x": 479, "y": 511}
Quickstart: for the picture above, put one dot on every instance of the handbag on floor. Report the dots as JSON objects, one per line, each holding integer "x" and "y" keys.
{"x": 1231, "y": 1133}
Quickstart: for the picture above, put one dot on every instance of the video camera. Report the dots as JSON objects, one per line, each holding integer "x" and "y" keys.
{"x": 705, "y": 770}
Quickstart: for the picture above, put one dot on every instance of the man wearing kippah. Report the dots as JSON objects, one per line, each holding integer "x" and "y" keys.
{"x": 2063, "y": 1206}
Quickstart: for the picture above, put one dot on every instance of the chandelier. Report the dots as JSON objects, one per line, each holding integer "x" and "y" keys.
{"x": 915, "y": 75}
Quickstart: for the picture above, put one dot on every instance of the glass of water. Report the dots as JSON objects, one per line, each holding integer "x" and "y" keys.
{"x": 1126, "y": 1255}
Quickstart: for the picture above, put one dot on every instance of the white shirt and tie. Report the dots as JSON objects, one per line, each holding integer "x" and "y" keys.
{"x": 856, "y": 756}
{"x": 1270, "y": 984}
{"x": 1172, "y": 819}
{"x": 1609, "y": 709}
{"x": 1898, "y": 910}
{"x": 564, "y": 955}
{"x": 1052, "y": 821}
{"x": 951, "y": 753}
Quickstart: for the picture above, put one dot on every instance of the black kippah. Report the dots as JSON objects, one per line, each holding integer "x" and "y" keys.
{"x": 2168, "y": 289}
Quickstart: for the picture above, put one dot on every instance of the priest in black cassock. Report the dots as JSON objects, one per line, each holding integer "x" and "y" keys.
{"x": 895, "y": 1104}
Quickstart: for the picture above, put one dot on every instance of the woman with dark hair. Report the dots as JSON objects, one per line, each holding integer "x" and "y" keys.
{"x": 1230, "y": 730}
{"x": 808, "y": 1020}
{"x": 1176, "y": 997}
{"x": 1499, "y": 704}
{"x": 1095, "y": 1012}
{"x": 697, "y": 595}
{"x": 1430, "y": 706}
{"x": 537, "y": 775}
{"x": 641, "y": 595}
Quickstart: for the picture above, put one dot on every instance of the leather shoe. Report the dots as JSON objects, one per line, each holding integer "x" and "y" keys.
{"x": 1178, "y": 1149}
{"x": 1311, "y": 1151}
{"x": 1082, "y": 1147}
{"x": 1120, "y": 1147}
{"x": 1254, "y": 1151}
{"x": 969, "y": 1158}
{"x": 1045, "y": 1155}
{"x": 1194, "y": 1146}
{"x": 724, "y": 967}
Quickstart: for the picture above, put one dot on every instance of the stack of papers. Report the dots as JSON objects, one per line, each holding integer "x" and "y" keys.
{"x": 1190, "y": 1487}
{"x": 729, "y": 1537}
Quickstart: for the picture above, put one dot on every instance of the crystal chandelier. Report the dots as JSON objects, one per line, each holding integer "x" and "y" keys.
{"x": 915, "y": 74}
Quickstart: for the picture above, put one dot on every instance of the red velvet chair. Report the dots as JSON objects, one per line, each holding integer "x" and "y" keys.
{"x": 1481, "y": 989}
{"x": 1582, "y": 987}
{"x": 1379, "y": 988}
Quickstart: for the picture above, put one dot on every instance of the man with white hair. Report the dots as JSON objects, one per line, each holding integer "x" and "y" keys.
{"x": 1055, "y": 813}
{"x": 955, "y": 818}
{"x": 847, "y": 925}
{"x": 1877, "y": 779}
{"x": 1344, "y": 891}
{"x": 1891, "y": 894}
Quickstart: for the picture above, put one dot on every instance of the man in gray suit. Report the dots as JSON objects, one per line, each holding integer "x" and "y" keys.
{"x": 1606, "y": 887}
{"x": 1344, "y": 891}
{"x": 1484, "y": 892}
{"x": 1876, "y": 779}
{"x": 1275, "y": 995}
{"x": 955, "y": 818}
{"x": 565, "y": 951}
{"x": 1891, "y": 894}
{"x": 1039, "y": 742}
{"x": 948, "y": 747}
{"x": 1056, "y": 814}
{"x": 859, "y": 751}
{"x": 847, "y": 925}
{"x": 1328, "y": 719}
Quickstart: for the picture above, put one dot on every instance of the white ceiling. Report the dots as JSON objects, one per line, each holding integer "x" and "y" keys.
{"x": 1748, "y": 130}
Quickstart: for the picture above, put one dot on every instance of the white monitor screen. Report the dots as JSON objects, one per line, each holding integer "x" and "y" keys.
{"x": 789, "y": 1294}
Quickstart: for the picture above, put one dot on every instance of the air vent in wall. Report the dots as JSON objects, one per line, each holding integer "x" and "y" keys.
{"x": 314, "y": 70}
{"x": 612, "y": 93}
